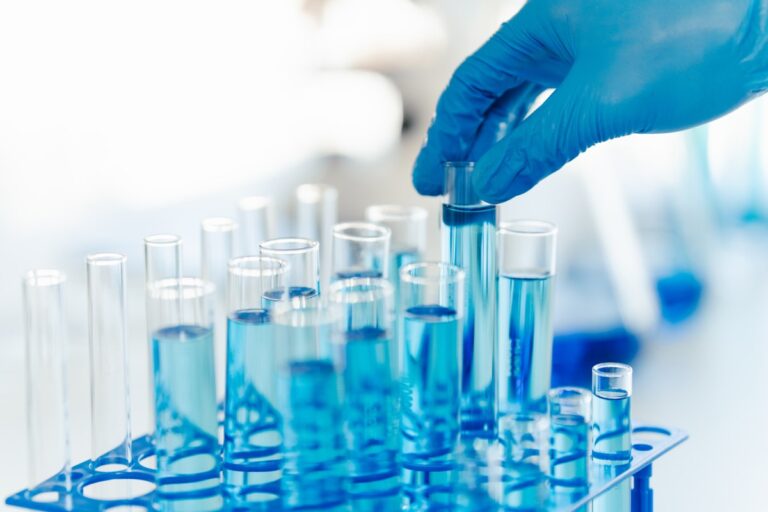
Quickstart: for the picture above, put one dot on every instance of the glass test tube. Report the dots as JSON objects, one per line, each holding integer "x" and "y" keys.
{"x": 110, "y": 397}
{"x": 430, "y": 313}
{"x": 257, "y": 223}
{"x": 522, "y": 482}
{"x": 360, "y": 249}
{"x": 162, "y": 260}
{"x": 47, "y": 398}
{"x": 185, "y": 394}
{"x": 526, "y": 263}
{"x": 252, "y": 438}
{"x": 569, "y": 420}
{"x": 302, "y": 282}
{"x": 469, "y": 242}
{"x": 408, "y": 225}
{"x": 309, "y": 402}
{"x": 316, "y": 214}
{"x": 364, "y": 349}
{"x": 217, "y": 239}
{"x": 611, "y": 439}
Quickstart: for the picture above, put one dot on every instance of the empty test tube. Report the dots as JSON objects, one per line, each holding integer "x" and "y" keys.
{"x": 217, "y": 241}
{"x": 107, "y": 333}
{"x": 252, "y": 438}
{"x": 309, "y": 402}
{"x": 257, "y": 223}
{"x": 431, "y": 309}
{"x": 316, "y": 214}
{"x": 364, "y": 346}
{"x": 526, "y": 268}
{"x": 302, "y": 281}
{"x": 611, "y": 439}
{"x": 469, "y": 242}
{"x": 360, "y": 249}
{"x": 569, "y": 421}
{"x": 47, "y": 399}
{"x": 186, "y": 433}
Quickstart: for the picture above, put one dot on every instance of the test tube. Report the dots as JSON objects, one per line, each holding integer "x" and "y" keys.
{"x": 360, "y": 249}
{"x": 185, "y": 394}
{"x": 569, "y": 421}
{"x": 522, "y": 483}
{"x": 431, "y": 310}
{"x": 309, "y": 402}
{"x": 47, "y": 398}
{"x": 217, "y": 239}
{"x": 252, "y": 438}
{"x": 162, "y": 260}
{"x": 316, "y": 214}
{"x": 364, "y": 346}
{"x": 526, "y": 267}
{"x": 469, "y": 242}
{"x": 408, "y": 225}
{"x": 611, "y": 440}
{"x": 302, "y": 281}
{"x": 257, "y": 223}
{"x": 110, "y": 397}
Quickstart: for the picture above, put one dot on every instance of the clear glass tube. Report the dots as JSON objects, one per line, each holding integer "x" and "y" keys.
{"x": 469, "y": 242}
{"x": 185, "y": 392}
{"x": 48, "y": 427}
{"x": 316, "y": 214}
{"x": 217, "y": 246}
{"x": 526, "y": 268}
{"x": 252, "y": 439}
{"x": 408, "y": 225}
{"x": 302, "y": 280}
{"x": 522, "y": 480}
{"x": 110, "y": 396}
{"x": 257, "y": 223}
{"x": 360, "y": 249}
{"x": 365, "y": 351}
{"x": 430, "y": 314}
{"x": 611, "y": 438}
{"x": 309, "y": 402}
{"x": 570, "y": 412}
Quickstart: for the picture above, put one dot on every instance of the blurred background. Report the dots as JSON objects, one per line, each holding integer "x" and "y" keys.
{"x": 122, "y": 120}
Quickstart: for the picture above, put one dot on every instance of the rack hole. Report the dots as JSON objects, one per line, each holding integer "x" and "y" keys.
{"x": 46, "y": 497}
{"x": 149, "y": 462}
{"x": 642, "y": 447}
{"x": 111, "y": 467}
{"x": 118, "y": 489}
{"x": 128, "y": 508}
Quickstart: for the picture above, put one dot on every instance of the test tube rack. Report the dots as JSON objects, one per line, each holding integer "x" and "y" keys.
{"x": 649, "y": 443}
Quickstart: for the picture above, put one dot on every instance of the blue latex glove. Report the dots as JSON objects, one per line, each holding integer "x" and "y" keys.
{"x": 617, "y": 66}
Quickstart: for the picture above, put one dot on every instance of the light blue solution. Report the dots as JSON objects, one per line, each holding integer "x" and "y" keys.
{"x": 568, "y": 438}
{"x": 371, "y": 420}
{"x": 430, "y": 398}
{"x": 304, "y": 293}
{"x": 611, "y": 447}
{"x": 252, "y": 442}
{"x": 469, "y": 242}
{"x": 358, "y": 273}
{"x": 314, "y": 471}
{"x": 525, "y": 344}
{"x": 186, "y": 419}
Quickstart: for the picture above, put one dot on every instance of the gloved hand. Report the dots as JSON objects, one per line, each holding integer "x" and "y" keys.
{"x": 617, "y": 66}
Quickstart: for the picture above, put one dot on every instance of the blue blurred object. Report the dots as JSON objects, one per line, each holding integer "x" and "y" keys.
{"x": 612, "y": 78}
{"x": 680, "y": 294}
{"x": 576, "y": 353}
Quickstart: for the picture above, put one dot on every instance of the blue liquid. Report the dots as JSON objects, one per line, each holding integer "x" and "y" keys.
{"x": 315, "y": 469}
{"x": 522, "y": 480}
{"x": 303, "y": 293}
{"x": 612, "y": 447}
{"x": 370, "y": 412}
{"x": 351, "y": 274}
{"x": 568, "y": 452}
{"x": 186, "y": 416}
{"x": 469, "y": 242}
{"x": 430, "y": 399}
{"x": 252, "y": 438}
{"x": 525, "y": 344}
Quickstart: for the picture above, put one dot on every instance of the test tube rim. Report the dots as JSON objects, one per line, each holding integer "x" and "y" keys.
{"x": 380, "y": 289}
{"x": 600, "y": 370}
{"x": 580, "y": 392}
{"x": 528, "y": 227}
{"x": 307, "y": 245}
{"x": 583, "y": 397}
{"x": 459, "y": 163}
{"x": 105, "y": 258}
{"x": 383, "y": 232}
{"x": 43, "y": 277}
{"x": 253, "y": 203}
{"x": 449, "y": 274}
{"x": 311, "y": 193}
{"x": 395, "y": 213}
{"x": 218, "y": 224}
{"x": 280, "y": 266}
{"x": 162, "y": 240}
